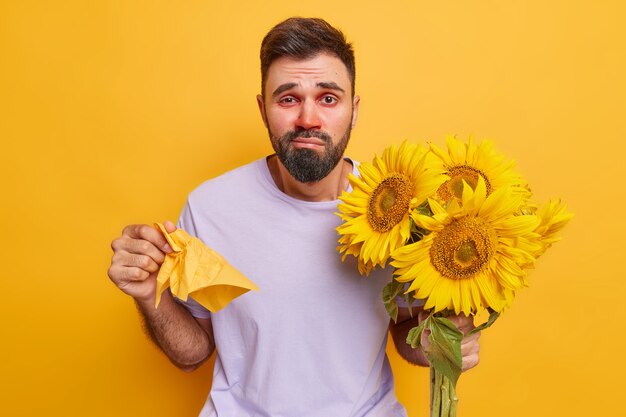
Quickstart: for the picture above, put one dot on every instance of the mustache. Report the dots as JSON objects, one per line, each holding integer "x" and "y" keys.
{"x": 304, "y": 133}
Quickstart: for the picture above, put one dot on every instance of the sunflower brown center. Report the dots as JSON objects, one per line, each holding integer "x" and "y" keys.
{"x": 389, "y": 202}
{"x": 453, "y": 188}
{"x": 463, "y": 248}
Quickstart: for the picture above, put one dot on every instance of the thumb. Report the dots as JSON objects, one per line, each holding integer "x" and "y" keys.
{"x": 169, "y": 226}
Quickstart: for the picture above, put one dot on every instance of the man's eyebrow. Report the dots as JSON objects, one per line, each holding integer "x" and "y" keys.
{"x": 330, "y": 86}
{"x": 283, "y": 87}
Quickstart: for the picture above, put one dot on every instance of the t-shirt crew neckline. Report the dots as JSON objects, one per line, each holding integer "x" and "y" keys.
{"x": 269, "y": 183}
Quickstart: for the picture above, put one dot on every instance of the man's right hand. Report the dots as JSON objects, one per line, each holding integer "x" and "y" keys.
{"x": 137, "y": 258}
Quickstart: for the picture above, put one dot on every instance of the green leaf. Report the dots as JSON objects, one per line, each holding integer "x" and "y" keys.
{"x": 444, "y": 352}
{"x": 392, "y": 290}
{"x": 392, "y": 309}
{"x": 493, "y": 316}
{"x": 414, "y": 337}
{"x": 410, "y": 297}
{"x": 390, "y": 293}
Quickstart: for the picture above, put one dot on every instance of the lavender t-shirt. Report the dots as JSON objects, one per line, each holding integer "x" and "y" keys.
{"x": 311, "y": 342}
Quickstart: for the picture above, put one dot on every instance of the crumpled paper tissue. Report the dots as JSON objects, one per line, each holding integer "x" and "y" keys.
{"x": 192, "y": 269}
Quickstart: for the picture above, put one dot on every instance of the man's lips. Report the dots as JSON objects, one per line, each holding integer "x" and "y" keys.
{"x": 311, "y": 142}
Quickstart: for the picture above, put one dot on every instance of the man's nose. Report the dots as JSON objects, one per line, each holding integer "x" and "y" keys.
{"x": 309, "y": 116}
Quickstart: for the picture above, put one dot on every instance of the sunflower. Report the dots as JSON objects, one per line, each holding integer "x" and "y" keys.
{"x": 553, "y": 217}
{"x": 348, "y": 248}
{"x": 470, "y": 260}
{"x": 468, "y": 162}
{"x": 376, "y": 211}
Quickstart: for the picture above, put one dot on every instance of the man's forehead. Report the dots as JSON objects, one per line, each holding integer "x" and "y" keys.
{"x": 322, "y": 70}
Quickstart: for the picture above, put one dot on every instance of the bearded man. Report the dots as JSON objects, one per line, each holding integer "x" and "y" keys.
{"x": 311, "y": 342}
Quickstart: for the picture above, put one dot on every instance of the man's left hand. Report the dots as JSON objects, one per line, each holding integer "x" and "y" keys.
{"x": 469, "y": 345}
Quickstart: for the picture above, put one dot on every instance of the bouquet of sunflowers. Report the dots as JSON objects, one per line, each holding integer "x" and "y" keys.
{"x": 460, "y": 229}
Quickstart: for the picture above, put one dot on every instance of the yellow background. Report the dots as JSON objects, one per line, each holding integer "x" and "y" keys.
{"x": 112, "y": 111}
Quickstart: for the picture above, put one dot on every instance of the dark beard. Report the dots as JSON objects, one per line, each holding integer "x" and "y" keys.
{"x": 308, "y": 165}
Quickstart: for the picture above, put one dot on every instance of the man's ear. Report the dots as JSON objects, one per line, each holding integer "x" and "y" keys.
{"x": 261, "y": 103}
{"x": 355, "y": 110}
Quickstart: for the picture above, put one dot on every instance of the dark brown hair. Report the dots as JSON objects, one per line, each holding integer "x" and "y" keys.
{"x": 303, "y": 38}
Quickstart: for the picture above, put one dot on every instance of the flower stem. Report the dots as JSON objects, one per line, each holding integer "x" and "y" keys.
{"x": 432, "y": 388}
{"x": 443, "y": 399}
{"x": 435, "y": 386}
{"x": 453, "y": 402}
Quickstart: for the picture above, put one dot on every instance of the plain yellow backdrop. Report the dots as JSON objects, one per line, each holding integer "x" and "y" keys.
{"x": 111, "y": 112}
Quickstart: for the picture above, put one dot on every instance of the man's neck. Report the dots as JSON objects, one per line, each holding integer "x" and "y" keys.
{"x": 327, "y": 189}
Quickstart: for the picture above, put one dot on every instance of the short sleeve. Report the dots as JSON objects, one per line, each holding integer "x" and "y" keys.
{"x": 186, "y": 220}
{"x": 402, "y": 303}
{"x": 195, "y": 308}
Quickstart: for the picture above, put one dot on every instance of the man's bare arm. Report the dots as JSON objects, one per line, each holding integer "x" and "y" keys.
{"x": 399, "y": 332}
{"x": 185, "y": 340}
{"x": 137, "y": 258}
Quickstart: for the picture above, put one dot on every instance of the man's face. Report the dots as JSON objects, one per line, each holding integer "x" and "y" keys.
{"x": 309, "y": 112}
